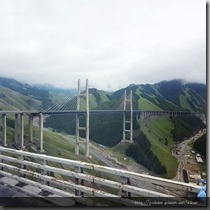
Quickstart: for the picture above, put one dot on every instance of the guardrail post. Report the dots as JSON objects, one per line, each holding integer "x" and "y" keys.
{"x": 30, "y": 124}
{"x": 2, "y": 168}
{"x": 125, "y": 181}
{"x": 22, "y": 166}
{"x": 79, "y": 181}
{"x": 44, "y": 172}
{"x": 44, "y": 182}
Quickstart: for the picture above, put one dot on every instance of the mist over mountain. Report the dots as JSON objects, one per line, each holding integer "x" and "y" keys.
{"x": 174, "y": 95}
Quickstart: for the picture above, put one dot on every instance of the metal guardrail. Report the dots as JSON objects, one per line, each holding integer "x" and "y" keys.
{"x": 35, "y": 170}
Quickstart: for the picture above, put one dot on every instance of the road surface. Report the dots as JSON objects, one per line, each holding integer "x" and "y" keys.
{"x": 183, "y": 151}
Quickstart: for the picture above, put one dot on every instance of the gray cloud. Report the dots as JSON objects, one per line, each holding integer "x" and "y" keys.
{"x": 111, "y": 42}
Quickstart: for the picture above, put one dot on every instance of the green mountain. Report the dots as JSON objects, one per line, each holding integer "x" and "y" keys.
{"x": 167, "y": 95}
{"x": 16, "y": 95}
{"x": 160, "y": 134}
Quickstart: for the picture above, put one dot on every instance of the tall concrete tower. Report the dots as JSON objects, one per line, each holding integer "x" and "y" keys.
{"x": 78, "y": 127}
{"x": 128, "y": 118}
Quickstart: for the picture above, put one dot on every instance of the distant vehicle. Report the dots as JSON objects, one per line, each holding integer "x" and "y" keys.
{"x": 199, "y": 159}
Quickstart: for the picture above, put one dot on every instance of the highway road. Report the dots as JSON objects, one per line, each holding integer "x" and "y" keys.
{"x": 109, "y": 161}
{"x": 182, "y": 154}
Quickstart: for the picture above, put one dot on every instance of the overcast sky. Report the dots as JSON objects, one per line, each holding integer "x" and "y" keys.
{"x": 113, "y": 43}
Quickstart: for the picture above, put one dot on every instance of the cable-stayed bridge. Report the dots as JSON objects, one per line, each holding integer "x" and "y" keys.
{"x": 77, "y": 106}
{"x": 27, "y": 168}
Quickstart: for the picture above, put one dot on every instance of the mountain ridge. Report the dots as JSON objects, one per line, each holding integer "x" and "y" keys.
{"x": 174, "y": 95}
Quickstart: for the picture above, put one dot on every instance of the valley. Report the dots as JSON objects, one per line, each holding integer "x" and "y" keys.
{"x": 186, "y": 157}
{"x": 161, "y": 134}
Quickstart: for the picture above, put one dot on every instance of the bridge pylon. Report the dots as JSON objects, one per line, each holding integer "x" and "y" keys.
{"x": 78, "y": 127}
{"x": 128, "y": 118}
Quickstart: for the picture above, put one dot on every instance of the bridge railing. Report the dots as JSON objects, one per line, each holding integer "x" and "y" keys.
{"x": 79, "y": 181}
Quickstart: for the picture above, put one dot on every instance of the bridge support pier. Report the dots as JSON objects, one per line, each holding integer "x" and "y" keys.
{"x": 4, "y": 130}
{"x": 21, "y": 131}
{"x": 137, "y": 117}
{"x": 16, "y": 129}
{"x": 146, "y": 113}
{"x": 30, "y": 125}
{"x": 142, "y": 116}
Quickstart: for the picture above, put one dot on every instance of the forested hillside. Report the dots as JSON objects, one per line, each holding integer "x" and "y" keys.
{"x": 154, "y": 137}
{"x": 159, "y": 134}
{"x": 200, "y": 145}
{"x": 167, "y": 95}
{"x": 186, "y": 126}
{"x": 141, "y": 151}
{"x": 16, "y": 95}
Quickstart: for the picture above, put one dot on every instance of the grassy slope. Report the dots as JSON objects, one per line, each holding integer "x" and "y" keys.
{"x": 156, "y": 130}
{"x": 119, "y": 151}
{"x": 14, "y": 100}
{"x": 146, "y": 105}
{"x": 159, "y": 128}
{"x": 54, "y": 144}
{"x": 94, "y": 102}
{"x": 57, "y": 145}
{"x": 184, "y": 102}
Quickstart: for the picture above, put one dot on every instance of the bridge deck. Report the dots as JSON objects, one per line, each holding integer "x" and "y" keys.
{"x": 35, "y": 112}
